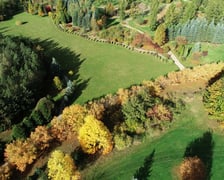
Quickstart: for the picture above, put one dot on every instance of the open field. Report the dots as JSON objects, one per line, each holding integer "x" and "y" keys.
{"x": 103, "y": 68}
{"x": 169, "y": 149}
{"x": 215, "y": 52}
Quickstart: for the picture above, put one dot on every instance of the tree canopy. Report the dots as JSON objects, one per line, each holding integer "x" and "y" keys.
{"x": 94, "y": 136}
{"x": 21, "y": 75}
{"x": 61, "y": 166}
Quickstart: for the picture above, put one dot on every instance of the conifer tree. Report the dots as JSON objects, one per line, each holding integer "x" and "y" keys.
{"x": 154, "y": 8}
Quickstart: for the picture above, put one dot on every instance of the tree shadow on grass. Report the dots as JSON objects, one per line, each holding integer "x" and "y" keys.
{"x": 144, "y": 172}
{"x": 69, "y": 63}
{"x": 202, "y": 147}
{"x": 3, "y": 30}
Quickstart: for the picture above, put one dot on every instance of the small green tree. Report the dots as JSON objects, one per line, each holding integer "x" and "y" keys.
{"x": 58, "y": 83}
{"x": 160, "y": 35}
{"x": 19, "y": 131}
{"x": 171, "y": 17}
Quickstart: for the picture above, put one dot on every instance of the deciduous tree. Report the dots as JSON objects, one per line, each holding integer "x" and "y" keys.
{"x": 41, "y": 137}
{"x": 20, "y": 153}
{"x": 192, "y": 168}
{"x": 160, "y": 35}
{"x": 74, "y": 116}
{"x": 94, "y": 136}
{"x": 61, "y": 166}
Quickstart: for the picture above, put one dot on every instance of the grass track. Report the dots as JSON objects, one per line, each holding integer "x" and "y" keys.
{"x": 104, "y": 67}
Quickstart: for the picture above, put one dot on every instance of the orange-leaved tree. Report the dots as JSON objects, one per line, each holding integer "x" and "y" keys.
{"x": 192, "y": 168}
{"x": 94, "y": 136}
{"x": 20, "y": 153}
{"x": 61, "y": 166}
{"x": 41, "y": 137}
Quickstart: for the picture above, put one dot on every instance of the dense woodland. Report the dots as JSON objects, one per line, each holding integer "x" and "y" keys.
{"x": 35, "y": 90}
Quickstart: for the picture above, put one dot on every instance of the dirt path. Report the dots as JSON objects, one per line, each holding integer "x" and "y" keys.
{"x": 176, "y": 61}
{"x": 126, "y": 24}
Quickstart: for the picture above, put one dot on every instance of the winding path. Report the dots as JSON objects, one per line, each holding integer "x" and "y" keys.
{"x": 125, "y": 24}
{"x": 172, "y": 56}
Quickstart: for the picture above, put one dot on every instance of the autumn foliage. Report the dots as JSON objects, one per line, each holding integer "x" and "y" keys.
{"x": 20, "y": 153}
{"x": 61, "y": 166}
{"x": 41, "y": 137}
{"x": 94, "y": 137}
{"x": 69, "y": 122}
{"x": 214, "y": 100}
{"x": 192, "y": 168}
{"x": 202, "y": 73}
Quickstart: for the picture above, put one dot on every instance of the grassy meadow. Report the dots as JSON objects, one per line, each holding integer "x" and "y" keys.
{"x": 101, "y": 68}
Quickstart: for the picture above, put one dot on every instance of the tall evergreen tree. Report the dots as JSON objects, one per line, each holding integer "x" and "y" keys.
{"x": 154, "y": 8}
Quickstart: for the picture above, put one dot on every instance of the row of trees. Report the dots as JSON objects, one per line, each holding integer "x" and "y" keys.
{"x": 110, "y": 121}
{"x": 93, "y": 124}
{"x": 179, "y": 13}
{"x": 198, "y": 30}
{"x": 81, "y": 13}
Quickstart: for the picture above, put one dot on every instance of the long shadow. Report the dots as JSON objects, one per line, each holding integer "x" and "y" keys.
{"x": 82, "y": 159}
{"x": 111, "y": 22}
{"x": 144, "y": 172}
{"x": 202, "y": 147}
{"x": 3, "y": 30}
{"x": 68, "y": 61}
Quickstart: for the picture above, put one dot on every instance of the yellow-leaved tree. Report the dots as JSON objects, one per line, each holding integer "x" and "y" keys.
{"x": 94, "y": 136}
{"x": 74, "y": 116}
{"x": 61, "y": 167}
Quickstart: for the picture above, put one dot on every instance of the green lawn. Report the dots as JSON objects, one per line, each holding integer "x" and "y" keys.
{"x": 215, "y": 52}
{"x": 102, "y": 68}
{"x": 169, "y": 150}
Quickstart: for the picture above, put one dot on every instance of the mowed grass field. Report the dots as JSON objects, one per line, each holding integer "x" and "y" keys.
{"x": 215, "y": 52}
{"x": 102, "y": 68}
{"x": 187, "y": 132}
